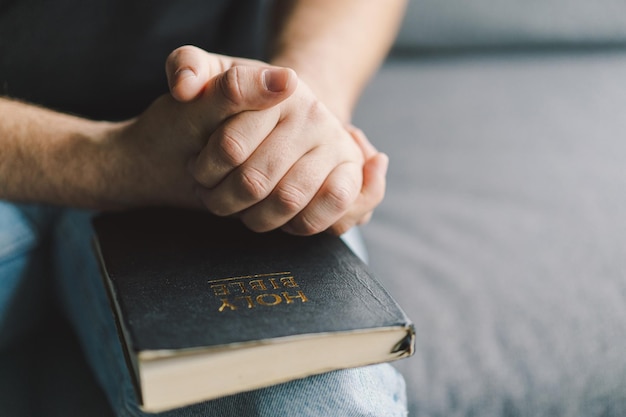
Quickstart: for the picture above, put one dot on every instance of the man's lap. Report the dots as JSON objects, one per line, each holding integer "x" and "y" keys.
{"x": 24, "y": 234}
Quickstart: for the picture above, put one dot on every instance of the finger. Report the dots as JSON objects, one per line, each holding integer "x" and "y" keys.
{"x": 292, "y": 194}
{"x": 231, "y": 145}
{"x": 254, "y": 180}
{"x": 239, "y": 89}
{"x": 371, "y": 195}
{"x": 188, "y": 69}
{"x": 335, "y": 197}
{"x": 361, "y": 140}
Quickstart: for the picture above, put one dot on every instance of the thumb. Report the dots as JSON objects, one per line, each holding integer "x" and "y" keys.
{"x": 239, "y": 89}
{"x": 189, "y": 68}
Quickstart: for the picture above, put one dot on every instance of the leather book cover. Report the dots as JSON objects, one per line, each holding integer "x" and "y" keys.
{"x": 183, "y": 280}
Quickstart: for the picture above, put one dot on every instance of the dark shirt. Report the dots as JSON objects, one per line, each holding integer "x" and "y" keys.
{"x": 104, "y": 59}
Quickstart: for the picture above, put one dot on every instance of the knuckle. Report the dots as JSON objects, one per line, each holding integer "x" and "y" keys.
{"x": 230, "y": 86}
{"x": 315, "y": 110}
{"x": 339, "y": 194}
{"x": 230, "y": 147}
{"x": 290, "y": 198}
{"x": 255, "y": 184}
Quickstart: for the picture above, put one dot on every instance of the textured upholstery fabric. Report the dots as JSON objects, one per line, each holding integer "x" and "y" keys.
{"x": 503, "y": 232}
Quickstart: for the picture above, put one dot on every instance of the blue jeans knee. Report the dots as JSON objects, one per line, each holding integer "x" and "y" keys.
{"x": 24, "y": 268}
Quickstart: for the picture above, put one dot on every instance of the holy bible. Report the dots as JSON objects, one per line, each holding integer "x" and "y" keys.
{"x": 206, "y": 308}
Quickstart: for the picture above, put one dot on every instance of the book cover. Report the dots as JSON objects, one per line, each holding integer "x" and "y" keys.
{"x": 207, "y": 308}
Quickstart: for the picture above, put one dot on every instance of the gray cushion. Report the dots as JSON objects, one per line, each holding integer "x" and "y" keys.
{"x": 503, "y": 232}
{"x": 460, "y": 23}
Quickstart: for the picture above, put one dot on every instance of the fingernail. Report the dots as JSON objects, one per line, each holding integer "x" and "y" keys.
{"x": 183, "y": 73}
{"x": 276, "y": 79}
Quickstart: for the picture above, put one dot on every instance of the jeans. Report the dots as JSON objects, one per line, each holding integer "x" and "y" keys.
{"x": 25, "y": 231}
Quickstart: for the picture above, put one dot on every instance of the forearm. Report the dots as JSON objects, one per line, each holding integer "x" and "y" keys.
{"x": 335, "y": 46}
{"x": 50, "y": 157}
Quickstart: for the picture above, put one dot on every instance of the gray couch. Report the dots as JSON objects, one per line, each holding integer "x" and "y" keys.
{"x": 503, "y": 232}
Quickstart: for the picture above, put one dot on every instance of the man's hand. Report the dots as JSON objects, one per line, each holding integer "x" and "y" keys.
{"x": 152, "y": 152}
{"x": 61, "y": 159}
{"x": 293, "y": 165}
{"x": 374, "y": 184}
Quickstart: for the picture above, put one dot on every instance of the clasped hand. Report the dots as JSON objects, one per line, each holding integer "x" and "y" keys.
{"x": 259, "y": 145}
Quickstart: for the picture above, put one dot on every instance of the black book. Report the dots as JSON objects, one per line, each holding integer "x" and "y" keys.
{"x": 206, "y": 308}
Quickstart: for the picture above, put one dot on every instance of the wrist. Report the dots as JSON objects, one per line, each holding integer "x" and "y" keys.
{"x": 144, "y": 160}
{"x": 86, "y": 165}
{"x": 136, "y": 171}
{"x": 108, "y": 184}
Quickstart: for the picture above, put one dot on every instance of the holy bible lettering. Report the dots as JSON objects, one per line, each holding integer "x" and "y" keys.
{"x": 250, "y": 291}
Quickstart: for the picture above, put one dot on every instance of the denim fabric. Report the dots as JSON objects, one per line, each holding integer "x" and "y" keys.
{"x": 369, "y": 391}
{"x": 23, "y": 266}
